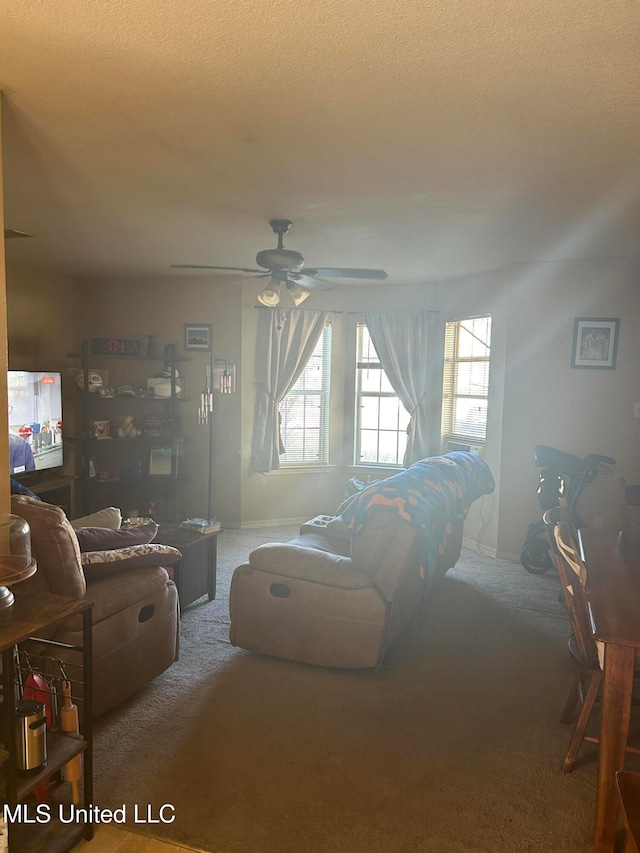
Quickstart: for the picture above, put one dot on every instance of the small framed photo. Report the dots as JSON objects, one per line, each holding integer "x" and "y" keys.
{"x": 197, "y": 337}
{"x": 595, "y": 342}
{"x": 160, "y": 461}
{"x": 100, "y": 429}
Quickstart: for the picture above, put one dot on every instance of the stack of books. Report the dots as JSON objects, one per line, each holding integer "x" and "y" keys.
{"x": 201, "y": 525}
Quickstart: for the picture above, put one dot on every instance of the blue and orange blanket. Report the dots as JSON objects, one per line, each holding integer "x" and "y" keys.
{"x": 429, "y": 495}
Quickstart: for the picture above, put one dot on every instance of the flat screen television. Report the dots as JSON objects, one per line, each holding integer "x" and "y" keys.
{"x": 35, "y": 421}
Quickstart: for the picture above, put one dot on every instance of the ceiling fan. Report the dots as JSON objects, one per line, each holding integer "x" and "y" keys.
{"x": 285, "y": 267}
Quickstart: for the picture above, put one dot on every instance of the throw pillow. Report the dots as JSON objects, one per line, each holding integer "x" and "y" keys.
{"x": 105, "y": 539}
{"x": 109, "y": 517}
{"x": 100, "y": 564}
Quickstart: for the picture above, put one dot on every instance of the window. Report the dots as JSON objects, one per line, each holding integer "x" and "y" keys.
{"x": 467, "y": 349}
{"x": 382, "y": 420}
{"x": 304, "y": 411}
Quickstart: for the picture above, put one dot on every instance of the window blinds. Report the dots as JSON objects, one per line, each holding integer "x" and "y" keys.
{"x": 467, "y": 351}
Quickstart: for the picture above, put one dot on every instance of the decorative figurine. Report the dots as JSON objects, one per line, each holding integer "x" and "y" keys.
{"x": 126, "y": 428}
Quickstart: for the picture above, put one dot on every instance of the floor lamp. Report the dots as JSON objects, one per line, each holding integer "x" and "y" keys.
{"x": 223, "y": 380}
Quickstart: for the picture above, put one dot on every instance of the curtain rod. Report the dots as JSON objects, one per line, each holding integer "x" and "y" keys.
{"x": 393, "y": 311}
{"x": 293, "y": 308}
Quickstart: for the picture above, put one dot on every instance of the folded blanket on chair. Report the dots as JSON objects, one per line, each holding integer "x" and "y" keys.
{"x": 429, "y": 495}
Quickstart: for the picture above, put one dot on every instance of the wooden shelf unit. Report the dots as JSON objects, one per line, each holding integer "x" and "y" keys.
{"x": 28, "y": 623}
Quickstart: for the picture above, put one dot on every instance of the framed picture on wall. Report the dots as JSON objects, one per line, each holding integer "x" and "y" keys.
{"x": 197, "y": 336}
{"x": 595, "y": 342}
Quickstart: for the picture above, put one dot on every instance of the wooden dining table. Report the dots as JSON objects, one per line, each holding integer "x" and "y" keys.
{"x": 613, "y": 591}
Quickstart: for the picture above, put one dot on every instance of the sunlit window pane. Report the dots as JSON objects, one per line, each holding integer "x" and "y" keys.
{"x": 304, "y": 412}
{"x": 466, "y": 378}
{"x": 311, "y": 379}
{"x": 472, "y": 377}
{"x": 381, "y": 418}
{"x": 470, "y": 417}
{"x": 369, "y": 412}
{"x": 388, "y": 452}
{"x": 368, "y": 445}
{"x": 474, "y": 337}
{"x": 371, "y": 379}
{"x": 389, "y": 412}
{"x": 385, "y": 386}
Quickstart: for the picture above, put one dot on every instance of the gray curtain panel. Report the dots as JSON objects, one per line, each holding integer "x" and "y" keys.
{"x": 401, "y": 340}
{"x": 285, "y": 341}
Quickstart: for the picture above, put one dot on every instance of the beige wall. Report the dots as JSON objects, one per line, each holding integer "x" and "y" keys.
{"x": 535, "y": 396}
{"x": 548, "y": 402}
{"x": 46, "y": 312}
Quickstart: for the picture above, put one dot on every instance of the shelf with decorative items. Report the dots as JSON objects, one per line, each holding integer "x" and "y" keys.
{"x": 130, "y": 445}
{"x": 45, "y": 725}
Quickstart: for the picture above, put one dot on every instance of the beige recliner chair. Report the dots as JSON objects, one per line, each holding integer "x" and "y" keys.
{"x": 341, "y": 592}
{"x": 306, "y": 602}
{"x": 135, "y": 613}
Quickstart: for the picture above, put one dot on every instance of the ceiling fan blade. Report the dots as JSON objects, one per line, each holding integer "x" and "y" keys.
{"x": 336, "y": 272}
{"x": 206, "y": 267}
{"x": 310, "y": 282}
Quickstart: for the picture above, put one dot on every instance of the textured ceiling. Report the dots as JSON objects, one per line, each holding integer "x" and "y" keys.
{"x": 433, "y": 138}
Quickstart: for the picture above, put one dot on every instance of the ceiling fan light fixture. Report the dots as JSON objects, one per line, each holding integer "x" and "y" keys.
{"x": 270, "y": 296}
{"x": 297, "y": 294}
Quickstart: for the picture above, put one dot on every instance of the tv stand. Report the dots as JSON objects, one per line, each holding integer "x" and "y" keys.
{"x": 59, "y": 491}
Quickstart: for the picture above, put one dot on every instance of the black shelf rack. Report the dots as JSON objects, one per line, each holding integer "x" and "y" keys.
{"x": 138, "y": 474}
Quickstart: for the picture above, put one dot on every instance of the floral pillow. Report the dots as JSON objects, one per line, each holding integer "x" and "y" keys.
{"x": 100, "y": 564}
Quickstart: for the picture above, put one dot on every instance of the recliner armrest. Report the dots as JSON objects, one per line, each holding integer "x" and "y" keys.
{"x": 320, "y": 567}
{"x": 98, "y": 564}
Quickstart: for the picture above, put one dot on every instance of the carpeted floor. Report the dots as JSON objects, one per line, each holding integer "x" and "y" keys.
{"x": 453, "y": 746}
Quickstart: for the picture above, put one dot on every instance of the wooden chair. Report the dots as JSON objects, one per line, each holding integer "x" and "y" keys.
{"x": 585, "y": 652}
{"x": 629, "y": 496}
{"x": 629, "y": 792}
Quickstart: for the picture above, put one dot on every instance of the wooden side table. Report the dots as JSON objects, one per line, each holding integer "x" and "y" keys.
{"x": 195, "y": 574}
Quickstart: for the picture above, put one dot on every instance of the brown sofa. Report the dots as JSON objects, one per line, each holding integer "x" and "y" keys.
{"x": 135, "y": 613}
{"x": 341, "y": 592}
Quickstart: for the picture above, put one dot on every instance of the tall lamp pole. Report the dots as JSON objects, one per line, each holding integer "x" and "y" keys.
{"x": 226, "y": 385}
{"x": 205, "y": 418}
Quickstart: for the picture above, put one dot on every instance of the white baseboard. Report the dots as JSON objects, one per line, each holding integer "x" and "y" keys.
{"x": 473, "y": 545}
{"x": 507, "y": 555}
{"x": 256, "y": 525}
